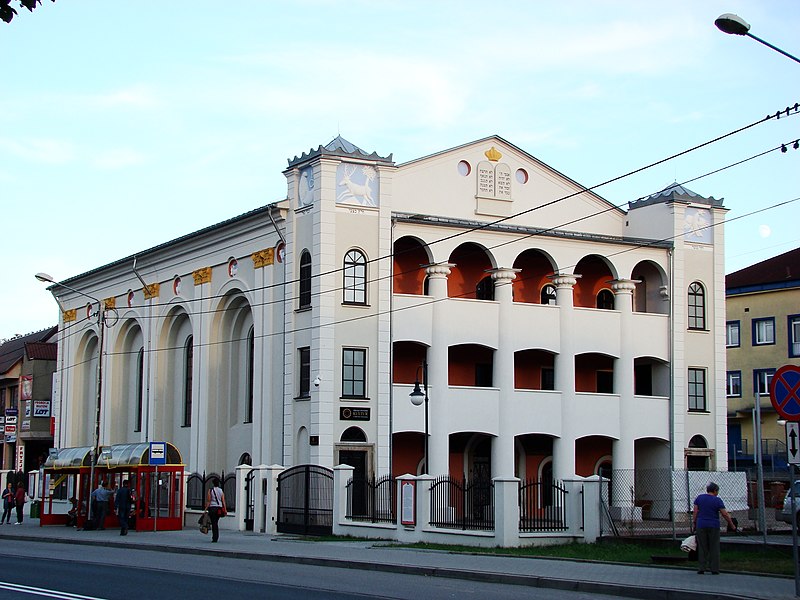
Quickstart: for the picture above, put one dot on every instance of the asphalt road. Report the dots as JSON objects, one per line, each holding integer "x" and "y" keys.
{"x": 31, "y": 570}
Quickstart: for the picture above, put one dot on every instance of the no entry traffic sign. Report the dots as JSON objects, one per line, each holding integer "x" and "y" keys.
{"x": 784, "y": 392}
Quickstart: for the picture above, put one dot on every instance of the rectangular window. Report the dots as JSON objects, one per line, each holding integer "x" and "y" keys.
{"x": 761, "y": 380}
{"x": 354, "y": 372}
{"x": 733, "y": 386}
{"x": 548, "y": 378}
{"x": 697, "y": 390}
{"x": 764, "y": 331}
{"x": 304, "y": 358}
{"x": 605, "y": 382}
{"x": 732, "y": 334}
{"x": 794, "y": 336}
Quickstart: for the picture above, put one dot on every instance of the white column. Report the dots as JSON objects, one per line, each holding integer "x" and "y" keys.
{"x": 503, "y": 376}
{"x": 623, "y": 374}
{"x": 564, "y": 364}
{"x": 439, "y": 441}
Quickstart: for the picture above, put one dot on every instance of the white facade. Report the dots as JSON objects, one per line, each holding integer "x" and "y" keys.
{"x": 305, "y": 324}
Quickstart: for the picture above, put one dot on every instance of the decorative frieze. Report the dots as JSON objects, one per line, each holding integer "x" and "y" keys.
{"x": 151, "y": 291}
{"x": 202, "y": 276}
{"x": 263, "y": 258}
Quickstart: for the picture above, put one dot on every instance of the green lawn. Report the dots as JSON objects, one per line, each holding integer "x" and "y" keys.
{"x": 770, "y": 560}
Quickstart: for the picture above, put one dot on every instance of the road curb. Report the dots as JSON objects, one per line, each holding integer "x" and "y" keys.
{"x": 534, "y": 581}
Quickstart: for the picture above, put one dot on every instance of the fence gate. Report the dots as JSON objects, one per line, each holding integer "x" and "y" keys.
{"x": 250, "y": 501}
{"x": 305, "y": 500}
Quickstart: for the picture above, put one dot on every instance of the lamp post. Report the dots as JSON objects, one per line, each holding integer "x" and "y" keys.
{"x": 418, "y": 396}
{"x": 736, "y": 25}
{"x": 101, "y": 318}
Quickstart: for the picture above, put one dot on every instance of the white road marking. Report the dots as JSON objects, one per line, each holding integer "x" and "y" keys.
{"x": 26, "y": 589}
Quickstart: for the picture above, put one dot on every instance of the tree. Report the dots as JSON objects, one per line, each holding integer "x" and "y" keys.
{"x": 7, "y": 13}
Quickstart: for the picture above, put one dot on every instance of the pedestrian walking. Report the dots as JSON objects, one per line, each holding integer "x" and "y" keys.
{"x": 215, "y": 507}
{"x": 100, "y": 498}
{"x": 20, "y": 498}
{"x": 705, "y": 518}
{"x": 8, "y": 503}
{"x": 122, "y": 503}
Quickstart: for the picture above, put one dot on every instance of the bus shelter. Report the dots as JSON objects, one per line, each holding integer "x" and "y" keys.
{"x": 157, "y": 489}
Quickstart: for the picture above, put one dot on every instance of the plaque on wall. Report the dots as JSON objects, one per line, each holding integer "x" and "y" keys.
{"x": 354, "y": 413}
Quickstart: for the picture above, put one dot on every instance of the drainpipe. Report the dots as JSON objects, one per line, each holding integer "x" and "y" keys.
{"x": 671, "y": 350}
{"x": 149, "y": 309}
{"x": 283, "y": 332}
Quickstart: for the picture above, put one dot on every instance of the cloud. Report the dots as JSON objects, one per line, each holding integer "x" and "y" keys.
{"x": 40, "y": 150}
{"x": 118, "y": 158}
{"x": 140, "y": 97}
{"x": 764, "y": 231}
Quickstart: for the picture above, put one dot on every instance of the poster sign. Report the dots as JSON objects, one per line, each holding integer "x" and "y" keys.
{"x": 11, "y": 419}
{"x": 26, "y": 387}
{"x": 407, "y": 516}
{"x": 41, "y": 408}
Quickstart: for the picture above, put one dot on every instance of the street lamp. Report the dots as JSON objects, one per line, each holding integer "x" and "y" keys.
{"x": 418, "y": 396}
{"x": 736, "y": 25}
{"x": 101, "y": 317}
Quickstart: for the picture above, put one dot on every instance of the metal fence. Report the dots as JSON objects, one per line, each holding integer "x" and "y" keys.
{"x": 462, "y": 503}
{"x": 371, "y": 500}
{"x": 198, "y": 485}
{"x": 659, "y": 502}
{"x": 542, "y": 506}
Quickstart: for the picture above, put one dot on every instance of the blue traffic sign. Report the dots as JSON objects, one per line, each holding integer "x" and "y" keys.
{"x": 784, "y": 392}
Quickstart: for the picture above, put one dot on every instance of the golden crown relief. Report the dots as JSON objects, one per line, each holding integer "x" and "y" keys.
{"x": 493, "y": 154}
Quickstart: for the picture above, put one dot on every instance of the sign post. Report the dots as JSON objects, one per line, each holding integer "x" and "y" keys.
{"x": 784, "y": 392}
{"x": 158, "y": 456}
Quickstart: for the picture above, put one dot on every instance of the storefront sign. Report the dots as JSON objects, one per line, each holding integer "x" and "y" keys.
{"x": 26, "y": 387}
{"x": 41, "y": 408}
{"x": 11, "y": 419}
{"x": 354, "y": 413}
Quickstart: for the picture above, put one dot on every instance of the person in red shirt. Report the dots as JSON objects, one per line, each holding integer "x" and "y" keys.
{"x": 20, "y": 502}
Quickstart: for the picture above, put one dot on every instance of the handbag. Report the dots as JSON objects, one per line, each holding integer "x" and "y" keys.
{"x": 689, "y": 544}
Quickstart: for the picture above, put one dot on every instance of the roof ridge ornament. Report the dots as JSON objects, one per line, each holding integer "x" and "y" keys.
{"x": 493, "y": 154}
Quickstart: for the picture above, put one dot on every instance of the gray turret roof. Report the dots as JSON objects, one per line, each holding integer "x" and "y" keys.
{"x": 675, "y": 192}
{"x": 339, "y": 146}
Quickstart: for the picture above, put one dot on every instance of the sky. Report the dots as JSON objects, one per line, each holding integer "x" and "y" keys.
{"x": 128, "y": 124}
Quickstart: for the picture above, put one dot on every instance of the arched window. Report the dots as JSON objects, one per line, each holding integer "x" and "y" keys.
{"x": 305, "y": 280}
{"x": 697, "y": 306}
{"x": 188, "y": 360}
{"x": 354, "y": 434}
{"x": 246, "y": 459}
{"x": 139, "y": 389}
{"x": 248, "y": 409}
{"x": 355, "y": 278}
{"x": 605, "y": 300}
{"x": 548, "y": 295}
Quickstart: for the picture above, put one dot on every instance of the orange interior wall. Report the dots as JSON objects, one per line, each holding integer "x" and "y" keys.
{"x": 586, "y": 367}
{"x": 528, "y": 284}
{"x": 407, "y": 273}
{"x": 594, "y": 277}
{"x": 471, "y": 266}
{"x": 407, "y": 450}
{"x": 407, "y": 358}
{"x": 588, "y": 451}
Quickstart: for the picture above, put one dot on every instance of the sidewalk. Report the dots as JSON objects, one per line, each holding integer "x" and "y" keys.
{"x": 662, "y": 583}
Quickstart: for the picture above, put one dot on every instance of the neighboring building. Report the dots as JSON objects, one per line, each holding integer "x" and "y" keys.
{"x": 27, "y": 364}
{"x": 560, "y": 334}
{"x": 762, "y": 335}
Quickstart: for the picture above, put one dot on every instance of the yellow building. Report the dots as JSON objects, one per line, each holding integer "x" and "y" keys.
{"x": 762, "y": 335}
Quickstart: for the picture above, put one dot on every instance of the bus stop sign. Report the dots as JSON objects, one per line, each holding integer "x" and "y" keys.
{"x": 158, "y": 453}
{"x": 784, "y": 392}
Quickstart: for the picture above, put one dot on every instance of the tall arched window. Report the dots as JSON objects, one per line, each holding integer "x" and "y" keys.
{"x": 548, "y": 295}
{"x": 355, "y": 278}
{"x": 139, "y": 389}
{"x": 188, "y": 360}
{"x": 305, "y": 280}
{"x": 251, "y": 344}
{"x": 605, "y": 300}
{"x": 697, "y": 306}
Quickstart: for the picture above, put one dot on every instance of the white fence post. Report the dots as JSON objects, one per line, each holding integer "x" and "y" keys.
{"x": 591, "y": 507}
{"x": 506, "y": 511}
{"x": 268, "y": 493}
{"x": 342, "y": 474}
